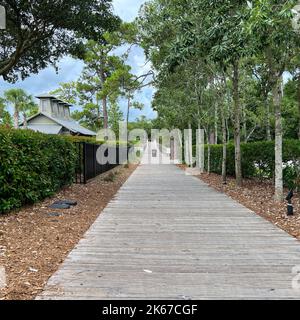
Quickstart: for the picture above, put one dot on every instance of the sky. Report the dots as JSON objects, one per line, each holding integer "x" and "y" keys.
{"x": 70, "y": 69}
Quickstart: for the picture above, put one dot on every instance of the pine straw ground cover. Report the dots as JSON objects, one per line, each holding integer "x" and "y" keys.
{"x": 258, "y": 197}
{"x": 34, "y": 244}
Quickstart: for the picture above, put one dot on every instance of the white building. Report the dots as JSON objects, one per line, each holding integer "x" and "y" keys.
{"x": 54, "y": 117}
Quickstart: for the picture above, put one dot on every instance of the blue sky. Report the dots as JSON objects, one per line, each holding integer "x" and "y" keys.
{"x": 70, "y": 69}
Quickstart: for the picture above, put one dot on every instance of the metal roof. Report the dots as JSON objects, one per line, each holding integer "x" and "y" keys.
{"x": 47, "y": 128}
{"x": 49, "y": 96}
{"x": 71, "y": 125}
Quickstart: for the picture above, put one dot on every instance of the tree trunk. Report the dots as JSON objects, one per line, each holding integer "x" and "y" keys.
{"x": 25, "y": 124}
{"x": 224, "y": 160}
{"x": 98, "y": 111}
{"x": 216, "y": 124}
{"x": 128, "y": 110}
{"x": 268, "y": 123}
{"x": 190, "y": 146}
{"x": 16, "y": 118}
{"x": 200, "y": 149}
{"x": 208, "y": 152}
{"x": 277, "y": 96}
{"x": 227, "y": 129}
{"x": 237, "y": 124}
{"x": 298, "y": 97}
{"x": 105, "y": 114}
{"x": 104, "y": 101}
{"x": 245, "y": 125}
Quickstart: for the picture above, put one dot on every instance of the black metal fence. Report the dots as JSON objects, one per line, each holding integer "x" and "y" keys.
{"x": 92, "y": 163}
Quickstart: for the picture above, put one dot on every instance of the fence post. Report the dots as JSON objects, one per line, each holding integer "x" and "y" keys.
{"x": 94, "y": 159}
{"x": 76, "y": 168}
{"x": 84, "y": 163}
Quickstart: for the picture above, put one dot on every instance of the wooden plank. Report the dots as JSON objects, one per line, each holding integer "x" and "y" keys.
{"x": 166, "y": 235}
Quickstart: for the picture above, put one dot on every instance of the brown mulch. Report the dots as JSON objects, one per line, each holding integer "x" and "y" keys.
{"x": 258, "y": 196}
{"x": 34, "y": 244}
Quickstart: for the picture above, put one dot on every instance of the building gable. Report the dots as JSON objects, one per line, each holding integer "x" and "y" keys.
{"x": 40, "y": 120}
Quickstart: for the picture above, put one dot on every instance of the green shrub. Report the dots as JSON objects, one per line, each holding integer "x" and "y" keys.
{"x": 33, "y": 166}
{"x": 93, "y": 140}
{"x": 81, "y": 139}
{"x": 110, "y": 177}
{"x": 258, "y": 160}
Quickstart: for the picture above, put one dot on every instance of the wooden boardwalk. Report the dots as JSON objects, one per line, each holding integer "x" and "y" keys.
{"x": 167, "y": 235}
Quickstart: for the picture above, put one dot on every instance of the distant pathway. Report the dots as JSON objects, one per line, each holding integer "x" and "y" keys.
{"x": 170, "y": 236}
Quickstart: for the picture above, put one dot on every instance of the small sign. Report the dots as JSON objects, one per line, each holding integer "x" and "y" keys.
{"x": 2, "y": 18}
{"x": 154, "y": 153}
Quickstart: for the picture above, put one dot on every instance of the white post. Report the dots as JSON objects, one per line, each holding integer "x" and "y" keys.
{"x": 200, "y": 149}
{"x": 188, "y": 146}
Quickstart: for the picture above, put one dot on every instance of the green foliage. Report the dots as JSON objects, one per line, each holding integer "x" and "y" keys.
{"x": 142, "y": 123}
{"x": 5, "y": 117}
{"x": 40, "y": 32}
{"x": 100, "y": 83}
{"x": 92, "y": 140}
{"x": 258, "y": 160}
{"x": 115, "y": 115}
{"x": 33, "y": 166}
{"x": 193, "y": 53}
{"x": 80, "y": 139}
{"x": 15, "y": 96}
{"x": 21, "y": 102}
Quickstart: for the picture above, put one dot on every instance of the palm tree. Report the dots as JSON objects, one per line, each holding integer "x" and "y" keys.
{"x": 15, "y": 97}
{"x": 28, "y": 108}
{"x": 22, "y": 102}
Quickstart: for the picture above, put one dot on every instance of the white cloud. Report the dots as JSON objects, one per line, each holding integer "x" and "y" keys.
{"x": 127, "y": 9}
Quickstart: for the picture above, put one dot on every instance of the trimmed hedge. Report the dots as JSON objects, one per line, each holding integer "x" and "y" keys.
{"x": 258, "y": 160}
{"x": 33, "y": 166}
{"x": 92, "y": 140}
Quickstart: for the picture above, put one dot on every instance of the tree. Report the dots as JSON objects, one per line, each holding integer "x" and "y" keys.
{"x": 76, "y": 93}
{"x": 5, "y": 117}
{"x": 67, "y": 91}
{"x": 224, "y": 40}
{"x": 22, "y": 103}
{"x": 88, "y": 117}
{"x": 219, "y": 37}
{"x": 247, "y": 44}
{"x": 105, "y": 78}
{"x": 98, "y": 86}
{"x": 16, "y": 98}
{"x": 290, "y": 109}
{"x": 294, "y": 69}
{"x": 102, "y": 74}
{"x": 40, "y": 32}
{"x": 115, "y": 115}
{"x": 142, "y": 123}
{"x": 271, "y": 27}
{"x": 28, "y": 108}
